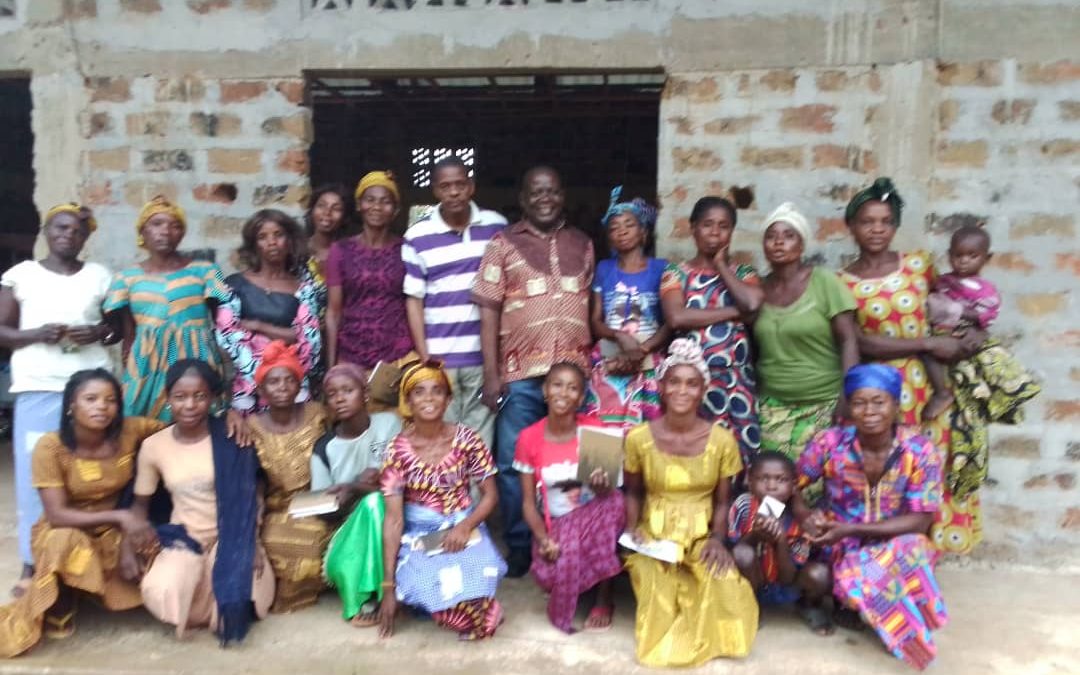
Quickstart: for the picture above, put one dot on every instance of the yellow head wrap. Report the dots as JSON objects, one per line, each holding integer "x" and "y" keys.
{"x": 424, "y": 371}
{"x": 78, "y": 210}
{"x": 158, "y": 204}
{"x": 377, "y": 179}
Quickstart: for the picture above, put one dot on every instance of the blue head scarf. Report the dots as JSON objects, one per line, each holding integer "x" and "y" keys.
{"x": 639, "y": 208}
{"x": 873, "y": 376}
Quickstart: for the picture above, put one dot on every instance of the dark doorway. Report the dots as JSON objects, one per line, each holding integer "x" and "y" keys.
{"x": 598, "y": 129}
{"x": 17, "y": 211}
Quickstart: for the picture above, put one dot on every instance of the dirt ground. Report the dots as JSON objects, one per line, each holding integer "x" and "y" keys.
{"x": 1004, "y": 620}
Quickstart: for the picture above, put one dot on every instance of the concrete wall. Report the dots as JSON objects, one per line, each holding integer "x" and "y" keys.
{"x": 972, "y": 106}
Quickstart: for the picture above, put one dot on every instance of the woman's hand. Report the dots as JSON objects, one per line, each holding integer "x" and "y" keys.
{"x": 343, "y": 491}
{"x": 599, "y": 483}
{"x": 842, "y": 413}
{"x": 252, "y": 325}
{"x": 972, "y": 341}
{"x": 637, "y": 535}
{"x": 87, "y": 334}
{"x": 493, "y": 392}
{"x": 831, "y": 532}
{"x": 456, "y": 538}
{"x": 236, "y": 428}
{"x": 945, "y": 348}
{"x": 715, "y": 556}
{"x": 130, "y": 567}
{"x": 387, "y": 612}
{"x": 722, "y": 258}
{"x": 549, "y": 549}
{"x": 629, "y": 346}
{"x": 620, "y": 364}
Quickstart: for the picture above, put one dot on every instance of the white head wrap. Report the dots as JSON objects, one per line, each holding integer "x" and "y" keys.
{"x": 684, "y": 352}
{"x": 788, "y": 214}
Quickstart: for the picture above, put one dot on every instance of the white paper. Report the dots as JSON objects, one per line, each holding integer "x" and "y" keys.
{"x": 771, "y": 506}
{"x": 661, "y": 549}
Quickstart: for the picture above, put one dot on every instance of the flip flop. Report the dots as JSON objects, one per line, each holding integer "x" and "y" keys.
{"x": 59, "y": 628}
{"x": 818, "y": 620}
{"x": 367, "y": 617}
{"x": 599, "y": 613}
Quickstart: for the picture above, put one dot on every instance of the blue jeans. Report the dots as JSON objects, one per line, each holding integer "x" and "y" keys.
{"x": 524, "y": 406}
{"x": 36, "y": 414}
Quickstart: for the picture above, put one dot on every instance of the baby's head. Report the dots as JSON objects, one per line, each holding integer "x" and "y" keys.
{"x": 772, "y": 473}
{"x": 969, "y": 250}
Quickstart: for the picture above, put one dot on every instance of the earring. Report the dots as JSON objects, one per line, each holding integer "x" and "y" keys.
{"x": 139, "y": 241}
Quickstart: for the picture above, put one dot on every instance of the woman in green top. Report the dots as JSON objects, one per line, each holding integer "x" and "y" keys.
{"x": 806, "y": 339}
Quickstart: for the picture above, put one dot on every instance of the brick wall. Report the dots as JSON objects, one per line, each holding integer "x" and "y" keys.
{"x": 220, "y": 148}
{"x": 994, "y": 142}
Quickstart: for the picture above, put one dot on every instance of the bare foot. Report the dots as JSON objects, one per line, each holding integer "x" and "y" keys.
{"x": 599, "y": 618}
{"x": 23, "y": 584}
{"x": 939, "y": 402}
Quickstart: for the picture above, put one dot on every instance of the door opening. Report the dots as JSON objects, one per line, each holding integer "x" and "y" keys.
{"x": 597, "y": 129}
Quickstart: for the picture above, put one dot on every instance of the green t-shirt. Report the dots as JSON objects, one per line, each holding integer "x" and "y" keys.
{"x": 798, "y": 358}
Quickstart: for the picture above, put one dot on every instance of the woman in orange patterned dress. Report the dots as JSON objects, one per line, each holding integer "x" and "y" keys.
{"x": 79, "y": 543}
{"x": 891, "y": 289}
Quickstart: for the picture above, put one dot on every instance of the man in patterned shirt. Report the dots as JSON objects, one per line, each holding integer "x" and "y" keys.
{"x": 533, "y": 293}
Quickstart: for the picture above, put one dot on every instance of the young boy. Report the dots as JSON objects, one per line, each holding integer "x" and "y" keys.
{"x": 771, "y": 551}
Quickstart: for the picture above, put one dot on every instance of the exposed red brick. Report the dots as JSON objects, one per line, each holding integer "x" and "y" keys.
{"x": 1063, "y": 410}
{"x": 292, "y": 90}
{"x": 1070, "y": 110}
{"x": 1065, "y": 481}
{"x": 207, "y": 6}
{"x": 1071, "y": 519}
{"x": 694, "y": 159}
{"x": 682, "y": 125}
{"x": 215, "y": 124}
{"x": 183, "y": 89}
{"x": 731, "y": 125}
{"x": 117, "y": 159}
{"x": 96, "y": 193}
{"x": 977, "y": 74}
{"x": 1043, "y": 225}
{"x": 831, "y": 228}
{"x": 112, "y": 89}
{"x": 138, "y": 192}
{"x": 780, "y": 80}
{"x": 141, "y": 6}
{"x": 297, "y": 126}
{"x": 232, "y": 160}
{"x": 682, "y": 228}
{"x": 1023, "y": 447}
{"x": 221, "y": 193}
{"x": 1050, "y": 73}
{"x": 1060, "y": 147}
{"x": 679, "y": 194}
{"x": 790, "y": 157}
{"x": 1015, "y": 262}
{"x": 948, "y": 111}
{"x": 238, "y": 91}
{"x": 1069, "y": 262}
{"x": 816, "y": 118}
{"x": 80, "y": 9}
{"x": 1015, "y": 111}
{"x": 294, "y": 161}
{"x": 971, "y": 154}
{"x": 155, "y": 123}
{"x": 100, "y": 123}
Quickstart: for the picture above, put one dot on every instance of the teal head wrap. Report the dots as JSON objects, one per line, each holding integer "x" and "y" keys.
{"x": 882, "y": 190}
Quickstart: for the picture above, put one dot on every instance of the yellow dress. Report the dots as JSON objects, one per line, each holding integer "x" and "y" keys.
{"x": 685, "y": 615}
{"x": 295, "y": 546}
{"x": 83, "y": 559}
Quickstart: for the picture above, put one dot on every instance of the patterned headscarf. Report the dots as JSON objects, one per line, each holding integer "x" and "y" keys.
{"x": 422, "y": 371}
{"x": 343, "y": 369}
{"x": 882, "y": 190}
{"x": 638, "y": 207}
{"x": 873, "y": 376}
{"x": 81, "y": 212}
{"x": 279, "y": 355}
{"x": 158, "y": 204}
{"x": 378, "y": 179}
{"x": 684, "y": 352}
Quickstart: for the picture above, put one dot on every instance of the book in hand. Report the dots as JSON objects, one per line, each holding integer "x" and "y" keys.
{"x": 312, "y": 504}
{"x": 660, "y": 549}
{"x": 771, "y": 506}
{"x": 600, "y": 448}
{"x": 432, "y": 544}
{"x": 383, "y": 383}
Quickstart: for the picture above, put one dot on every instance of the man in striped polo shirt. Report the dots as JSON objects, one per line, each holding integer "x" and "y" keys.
{"x": 442, "y": 254}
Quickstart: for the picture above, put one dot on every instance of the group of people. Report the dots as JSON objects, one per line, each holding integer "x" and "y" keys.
{"x": 788, "y": 438}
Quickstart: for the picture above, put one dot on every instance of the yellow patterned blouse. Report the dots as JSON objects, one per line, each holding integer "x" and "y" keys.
{"x": 91, "y": 484}
{"x": 679, "y": 490}
{"x": 286, "y": 458}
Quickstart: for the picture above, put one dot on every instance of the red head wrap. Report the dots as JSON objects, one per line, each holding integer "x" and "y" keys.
{"x": 278, "y": 355}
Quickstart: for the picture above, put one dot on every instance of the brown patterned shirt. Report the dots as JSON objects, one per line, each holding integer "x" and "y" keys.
{"x": 541, "y": 284}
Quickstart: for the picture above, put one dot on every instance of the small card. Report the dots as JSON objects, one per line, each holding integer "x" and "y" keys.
{"x": 432, "y": 544}
{"x": 771, "y": 506}
{"x": 383, "y": 383}
{"x": 660, "y": 549}
{"x": 600, "y": 448}
{"x": 312, "y": 504}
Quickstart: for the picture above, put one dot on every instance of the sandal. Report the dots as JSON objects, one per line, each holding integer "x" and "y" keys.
{"x": 599, "y": 612}
{"x": 59, "y": 628}
{"x": 818, "y": 620}
{"x": 367, "y": 617}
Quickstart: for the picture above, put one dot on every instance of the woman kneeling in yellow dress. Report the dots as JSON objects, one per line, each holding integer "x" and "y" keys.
{"x": 678, "y": 480}
{"x": 80, "y": 473}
